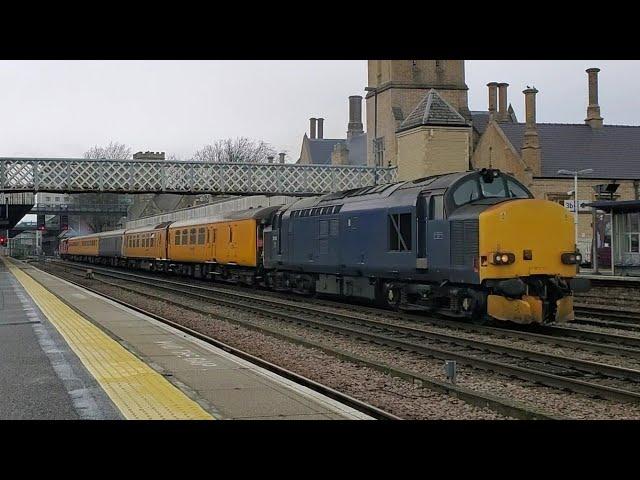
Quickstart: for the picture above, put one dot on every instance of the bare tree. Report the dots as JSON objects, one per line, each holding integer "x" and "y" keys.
{"x": 113, "y": 151}
{"x": 235, "y": 150}
{"x": 102, "y": 222}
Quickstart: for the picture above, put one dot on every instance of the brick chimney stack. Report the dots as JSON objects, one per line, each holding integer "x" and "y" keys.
{"x": 503, "y": 114}
{"x": 355, "y": 116}
{"x": 312, "y": 128}
{"x": 531, "y": 144}
{"x": 320, "y": 127}
{"x": 493, "y": 99}
{"x": 282, "y": 155}
{"x": 594, "y": 120}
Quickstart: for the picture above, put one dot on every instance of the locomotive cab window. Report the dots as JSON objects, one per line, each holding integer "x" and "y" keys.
{"x": 517, "y": 191}
{"x": 399, "y": 232}
{"x": 467, "y": 192}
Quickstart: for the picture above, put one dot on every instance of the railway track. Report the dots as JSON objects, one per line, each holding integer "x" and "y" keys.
{"x": 598, "y": 342}
{"x": 606, "y": 316}
{"x": 557, "y": 371}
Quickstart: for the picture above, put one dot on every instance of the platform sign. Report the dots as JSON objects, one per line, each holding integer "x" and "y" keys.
{"x": 569, "y": 205}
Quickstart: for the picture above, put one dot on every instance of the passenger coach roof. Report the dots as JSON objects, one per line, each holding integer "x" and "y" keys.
{"x": 101, "y": 234}
{"x": 252, "y": 213}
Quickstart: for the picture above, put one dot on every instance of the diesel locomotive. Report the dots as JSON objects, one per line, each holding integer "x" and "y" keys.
{"x": 473, "y": 245}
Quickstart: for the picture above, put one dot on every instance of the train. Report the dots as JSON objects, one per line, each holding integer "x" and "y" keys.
{"x": 473, "y": 245}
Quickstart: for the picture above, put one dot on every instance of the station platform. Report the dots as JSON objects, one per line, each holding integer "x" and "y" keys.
{"x": 606, "y": 276}
{"x": 67, "y": 353}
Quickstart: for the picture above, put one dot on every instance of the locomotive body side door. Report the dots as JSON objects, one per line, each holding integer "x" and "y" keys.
{"x": 437, "y": 238}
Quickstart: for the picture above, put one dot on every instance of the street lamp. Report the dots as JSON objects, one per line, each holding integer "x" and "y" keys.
{"x": 575, "y": 174}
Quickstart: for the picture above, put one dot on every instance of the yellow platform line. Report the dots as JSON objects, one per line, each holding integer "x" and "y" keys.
{"x": 136, "y": 389}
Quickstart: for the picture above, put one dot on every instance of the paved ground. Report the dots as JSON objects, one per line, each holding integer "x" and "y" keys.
{"x": 65, "y": 366}
{"x": 40, "y": 378}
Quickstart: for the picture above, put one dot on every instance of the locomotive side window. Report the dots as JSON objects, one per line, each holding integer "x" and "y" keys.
{"x": 467, "y": 192}
{"x": 400, "y": 232}
{"x": 436, "y": 208}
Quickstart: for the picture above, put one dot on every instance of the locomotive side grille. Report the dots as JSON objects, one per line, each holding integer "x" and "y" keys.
{"x": 464, "y": 242}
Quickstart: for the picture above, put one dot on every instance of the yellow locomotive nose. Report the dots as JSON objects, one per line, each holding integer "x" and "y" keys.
{"x": 532, "y": 233}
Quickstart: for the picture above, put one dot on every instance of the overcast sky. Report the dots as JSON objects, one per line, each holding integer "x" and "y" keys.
{"x": 61, "y": 108}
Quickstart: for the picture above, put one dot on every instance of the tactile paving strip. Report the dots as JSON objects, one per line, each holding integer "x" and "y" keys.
{"x": 138, "y": 391}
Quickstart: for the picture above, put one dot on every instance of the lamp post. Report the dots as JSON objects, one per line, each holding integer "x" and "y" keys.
{"x": 575, "y": 174}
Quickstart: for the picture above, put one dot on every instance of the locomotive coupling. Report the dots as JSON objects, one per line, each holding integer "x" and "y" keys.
{"x": 513, "y": 287}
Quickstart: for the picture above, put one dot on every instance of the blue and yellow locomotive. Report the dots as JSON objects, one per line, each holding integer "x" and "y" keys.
{"x": 471, "y": 244}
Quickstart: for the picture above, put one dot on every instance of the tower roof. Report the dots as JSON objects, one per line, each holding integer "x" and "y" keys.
{"x": 433, "y": 110}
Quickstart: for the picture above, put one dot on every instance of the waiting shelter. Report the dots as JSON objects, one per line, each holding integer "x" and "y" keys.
{"x": 617, "y": 243}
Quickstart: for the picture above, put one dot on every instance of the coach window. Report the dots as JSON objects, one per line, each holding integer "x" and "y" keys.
{"x": 137, "y": 241}
{"x": 201, "y": 236}
{"x": 230, "y": 234}
{"x": 185, "y": 237}
{"x": 177, "y": 237}
{"x": 192, "y": 237}
{"x": 152, "y": 239}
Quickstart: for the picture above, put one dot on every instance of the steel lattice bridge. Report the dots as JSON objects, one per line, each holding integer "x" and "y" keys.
{"x": 73, "y": 175}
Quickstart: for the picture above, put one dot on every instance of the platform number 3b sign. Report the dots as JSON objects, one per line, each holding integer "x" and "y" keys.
{"x": 569, "y": 205}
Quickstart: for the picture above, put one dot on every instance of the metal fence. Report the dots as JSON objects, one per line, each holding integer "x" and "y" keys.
{"x": 140, "y": 176}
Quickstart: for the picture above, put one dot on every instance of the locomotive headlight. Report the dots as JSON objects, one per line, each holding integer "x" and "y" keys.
{"x": 571, "y": 258}
{"x": 503, "y": 258}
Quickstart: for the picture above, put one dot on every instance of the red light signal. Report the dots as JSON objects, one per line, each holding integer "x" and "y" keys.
{"x": 3, "y": 241}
